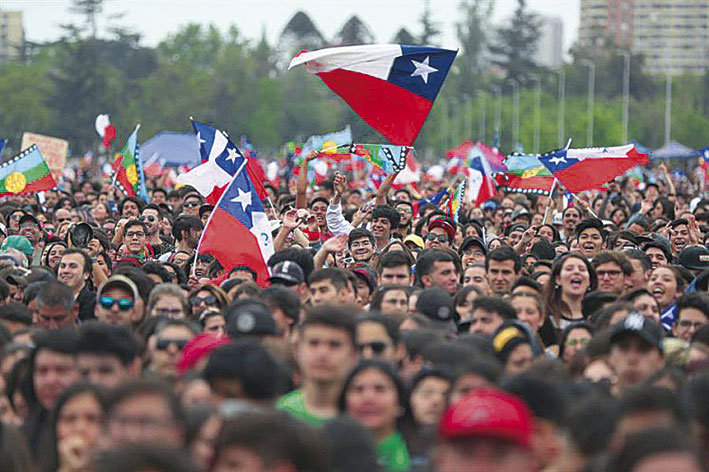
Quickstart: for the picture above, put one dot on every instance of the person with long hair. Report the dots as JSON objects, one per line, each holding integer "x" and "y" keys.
{"x": 572, "y": 276}
{"x": 666, "y": 285}
{"x": 374, "y": 395}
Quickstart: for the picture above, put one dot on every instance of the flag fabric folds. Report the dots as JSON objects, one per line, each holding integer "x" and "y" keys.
{"x": 456, "y": 200}
{"x": 480, "y": 183}
{"x": 525, "y": 174}
{"x": 27, "y": 172}
{"x": 3, "y": 143}
{"x": 391, "y": 86}
{"x": 128, "y": 171}
{"x": 434, "y": 199}
{"x": 105, "y": 129}
{"x": 590, "y": 168}
{"x": 238, "y": 231}
{"x": 220, "y": 161}
{"x": 389, "y": 158}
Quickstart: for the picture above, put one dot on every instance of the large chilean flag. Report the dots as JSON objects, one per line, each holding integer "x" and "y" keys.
{"x": 391, "y": 86}
{"x": 590, "y": 168}
{"x": 238, "y": 231}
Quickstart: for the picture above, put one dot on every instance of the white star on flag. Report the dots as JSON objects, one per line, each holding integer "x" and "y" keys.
{"x": 199, "y": 138}
{"x": 423, "y": 69}
{"x": 232, "y": 154}
{"x": 557, "y": 160}
{"x": 244, "y": 199}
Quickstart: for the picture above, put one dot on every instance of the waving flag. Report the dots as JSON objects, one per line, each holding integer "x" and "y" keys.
{"x": 588, "y": 169}
{"x": 106, "y": 130}
{"x": 525, "y": 174}
{"x": 467, "y": 149}
{"x": 434, "y": 199}
{"x": 456, "y": 201}
{"x": 238, "y": 217}
{"x": 480, "y": 184}
{"x": 220, "y": 161}
{"x": 128, "y": 171}
{"x": 27, "y": 172}
{"x": 392, "y": 87}
{"x": 388, "y": 158}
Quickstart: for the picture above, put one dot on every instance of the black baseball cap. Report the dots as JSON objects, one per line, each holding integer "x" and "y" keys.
{"x": 694, "y": 258}
{"x": 251, "y": 319}
{"x": 473, "y": 241}
{"x": 639, "y": 325}
{"x": 437, "y": 305}
{"x": 287, "y": 273}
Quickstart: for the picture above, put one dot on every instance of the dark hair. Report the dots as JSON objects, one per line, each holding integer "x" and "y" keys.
{"x": 131, "y": 223}
{"x": 394, "y": 259}
{"x": 282, "y": 298}
{"x": 302, "y": 257}
{"x": 245, "y": 268}
{"x": 131, "y": 388}
{"x": 139, "y": 203}
{"x": 385, "y": 211}
{"x": 359, "y": 233}
{"x": 590, "y": 223}
{"x": 501, "y": 254}
{"x": 389, "y": 324}
{"x": 644, "y": 444}
{"x": 697, "y": 300}
{"x": 616, "y": 257}
{"x": 495, "y": 305}
{"x": 247, "y": 361}
{"x": 378, "y": 296}
{"x": 275, "y": 438}
{"x": 567, "y": 332}
{"x": 157, "y": 268}
{"x": 318, "y": 199}
{"x": 63, "y": 341}
{"x": 337, "y": 277}
{"x": 527, "y": 282}
{"x": 16, "y": 312}
{"x": 639, "y": 255}
{"x": 54, "y": 294}
{"x": 103, "y": 339}
{"x": 643, "y": 399}
{"x": 185, "y": 223}
{"x": 335, "y": 317}
{"x": 88, "y": 263}
{"x": 427, "y": 259}
{"x": 382, "y": 367}
{"x": 552, "y": 294}
{"x": 544, "y": 398}
{"x": 153, "y": 457}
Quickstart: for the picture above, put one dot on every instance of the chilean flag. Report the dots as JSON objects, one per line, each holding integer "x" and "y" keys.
{"x": 481, "y": 186}
{"x": 237, "y": 232}
{"x": 391, "y": 86}
{"x": 105, "y": 129}
{"x": 588, "y": 169}
{"x": 220, "y": 160}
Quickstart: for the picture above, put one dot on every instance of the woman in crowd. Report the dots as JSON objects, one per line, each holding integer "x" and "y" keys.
{"x": 572, "y": 276}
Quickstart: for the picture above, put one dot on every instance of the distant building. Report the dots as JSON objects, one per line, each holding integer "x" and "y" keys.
{"x": 672, "y": 34}
{"x": 550, "y": 48}
{"x": 12, "y": 35}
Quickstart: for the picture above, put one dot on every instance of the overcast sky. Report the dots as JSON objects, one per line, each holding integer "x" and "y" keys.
{"x": 155, "y": 19}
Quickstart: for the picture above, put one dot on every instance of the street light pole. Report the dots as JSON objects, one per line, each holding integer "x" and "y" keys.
{"x": 515, "y": 112}
{"x": 591, "y": 98}
{"x": 537, "y": 111}
{"x": 626, "y": 93}
{"x": 562, "y": 104}
{"x": 668, "y": 108}
{"x": 498, "y": 115}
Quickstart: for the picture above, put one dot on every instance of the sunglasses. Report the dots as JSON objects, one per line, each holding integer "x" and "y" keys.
{"x": 150, "y": 218}
{"x": 377, "y": 347}
{"x": 124, "y": 304}
{"x": 208, "y": 300}
{"x": 190, "y": 204}
{"x": 441, "y": 238}
{"x": 163, "y": 344}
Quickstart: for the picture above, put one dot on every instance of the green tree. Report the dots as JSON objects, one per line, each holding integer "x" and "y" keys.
{"x": 516, "y": 43}
{"x": 471, "y": 33}
{"x": 430, "y": 30}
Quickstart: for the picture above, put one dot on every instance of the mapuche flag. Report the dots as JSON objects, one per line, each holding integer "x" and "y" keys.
{"x": 391, "y": 86}
{"x": 128, "y": 168}
{"x": 27, "y": 172}
{"x": 525, "y": 174}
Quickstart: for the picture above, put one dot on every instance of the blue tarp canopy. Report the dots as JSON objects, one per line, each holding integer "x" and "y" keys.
{"x": 641, "y": 149}
{"x": 674, "y": 150}
{"x": 172, "y": 148}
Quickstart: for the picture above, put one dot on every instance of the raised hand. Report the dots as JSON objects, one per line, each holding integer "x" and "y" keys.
{"x": 336, "y": 243}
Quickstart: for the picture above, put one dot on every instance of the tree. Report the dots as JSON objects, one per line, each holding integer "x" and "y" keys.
{"x": 516, "y": 43}
{"x": 299, "y": 33}
{"x": 472, "y": 35}
{"x": 404, "y": 37}
{"x": 353, "y": 32}
{"x": 429, "y": 29}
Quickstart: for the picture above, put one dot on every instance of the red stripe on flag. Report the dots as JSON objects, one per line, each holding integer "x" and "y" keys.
{"x": 392, "y": 110}
{"x": 592, "y": 173}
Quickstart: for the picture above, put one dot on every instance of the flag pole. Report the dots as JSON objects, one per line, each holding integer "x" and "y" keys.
{"x": 551, "y": 196}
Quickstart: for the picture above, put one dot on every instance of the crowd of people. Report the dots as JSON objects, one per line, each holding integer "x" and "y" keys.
{"x": 518, "y": 335}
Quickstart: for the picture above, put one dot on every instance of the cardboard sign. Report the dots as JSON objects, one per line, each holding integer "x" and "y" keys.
{"x": 53, "y": 149}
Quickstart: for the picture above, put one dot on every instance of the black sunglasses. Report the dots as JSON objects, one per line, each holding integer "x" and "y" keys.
{"x": 442, "y": 238}
{"x": 377, "y": 347}
{"x": 190, "y": 204}
{"x": 150, "y": 218}
{"x": 208, "y": 300}
{"x": 163, "y": 344}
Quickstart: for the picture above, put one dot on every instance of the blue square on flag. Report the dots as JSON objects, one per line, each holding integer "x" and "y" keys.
{"x": 421, "y": 70}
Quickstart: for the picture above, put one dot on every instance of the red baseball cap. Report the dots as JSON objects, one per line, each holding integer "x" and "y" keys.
{"x": 489, "y": 413}
{"x": 450, "y": 230}
{"x": 199, "y": 348}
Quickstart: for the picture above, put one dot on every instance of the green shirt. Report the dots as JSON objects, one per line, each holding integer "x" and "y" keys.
{"x": 294, "y": 403}
{"x": 392, "y": 453}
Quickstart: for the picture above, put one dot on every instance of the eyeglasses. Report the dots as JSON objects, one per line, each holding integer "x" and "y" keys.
{"x": 190, "y": 204}
{"x": 377, "y": 347}
{"x": 124, "y": 304}
{"x": 208, "y": 300}
{"x": 137, "y": 234}
{"x": 577, "y": 342}
{"x": 150, "y": 218}
{"x": 611, "y": 274}
{"x": 686, "y": 324}
{"x": 441, "y": 238}
{"x": 364, "y": 243}
{"x": 163, "y": 344}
